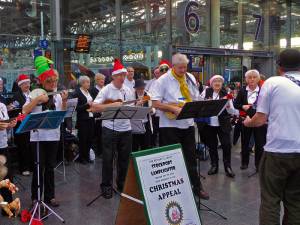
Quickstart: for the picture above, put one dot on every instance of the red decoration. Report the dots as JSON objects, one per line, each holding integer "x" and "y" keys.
{"x": 36, "y": 222}
{"x": 229, "y": 96}
{"x": 25, "y": 216}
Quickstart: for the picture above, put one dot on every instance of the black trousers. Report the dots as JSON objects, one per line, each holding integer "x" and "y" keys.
{"x": 6, "y": 194}
{"x": 185, "y": 137}
{"x": 142, "y": 141}
{"x": 155, "y": 134}
{"x": 98, "y": 137}
{"x": 119, "y": 143}
{"x": 260, "y": 135}
{"x": 48, "y": 156}
{"x": 237, "y": 132}
{"x": 85, "y": 136}
{"x": 211, "y": 136}
{"x": 25, "y": 157}
{"x": 279, "y": 182}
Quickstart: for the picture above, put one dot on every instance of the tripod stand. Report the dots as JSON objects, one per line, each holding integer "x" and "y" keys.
{"x": 34, "y": 122}
{"x": 39, "y": 203}
{"x": 208, "y": 209}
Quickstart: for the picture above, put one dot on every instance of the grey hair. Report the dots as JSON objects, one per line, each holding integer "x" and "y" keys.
{"x": 179, "y": 58}
{"x": 100, "y": 75}
{"x": 252, "y": 71}
{"x": 82, "y": 79}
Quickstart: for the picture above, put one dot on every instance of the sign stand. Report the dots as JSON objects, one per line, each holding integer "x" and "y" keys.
{"x": 33, "y": 122}
{"x": 158, "y": 190}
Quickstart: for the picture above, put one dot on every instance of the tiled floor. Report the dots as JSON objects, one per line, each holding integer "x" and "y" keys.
{"x": 237, "y": 199}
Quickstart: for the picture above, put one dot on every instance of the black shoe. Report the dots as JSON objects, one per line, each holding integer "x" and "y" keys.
{"x": 213, "y": 170}
{"x": 52, "y": 203}
{"x": 229, "y": 172}
{"x": 244, "y": 167}
{"x": 90, "y": 161}
{"x": 107, "y": 192}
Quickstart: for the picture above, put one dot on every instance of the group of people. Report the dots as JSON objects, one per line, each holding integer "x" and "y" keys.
{"x": 262, "y": 111}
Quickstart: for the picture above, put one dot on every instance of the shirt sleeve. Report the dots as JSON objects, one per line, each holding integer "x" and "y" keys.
{"x": 156, "y": 91}
{"x": 101, "y": 97}
{"x": 264, "y": 99}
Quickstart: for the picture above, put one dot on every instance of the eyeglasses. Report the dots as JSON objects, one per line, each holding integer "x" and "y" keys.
{"x": 51, "y": 81}
{"x": 163, "y": 69}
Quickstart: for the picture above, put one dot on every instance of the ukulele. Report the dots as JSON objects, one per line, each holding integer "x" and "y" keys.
{"x": 171, "y": 115}
{"x": 39, "y": 91}
{"x": 109, "y": 101}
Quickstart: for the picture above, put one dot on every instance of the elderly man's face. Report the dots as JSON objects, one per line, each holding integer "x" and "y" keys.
{"x": 180, "y": 69}
{"x": 252, "y": 79}
{"x": 118, "y": 79}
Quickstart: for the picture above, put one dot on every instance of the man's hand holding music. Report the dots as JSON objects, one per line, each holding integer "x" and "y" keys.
{"x": 12, "y": 123}
{"x": 64, "y": 96}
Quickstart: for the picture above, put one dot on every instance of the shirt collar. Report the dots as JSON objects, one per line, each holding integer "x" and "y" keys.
{"x": 256, "y": 89}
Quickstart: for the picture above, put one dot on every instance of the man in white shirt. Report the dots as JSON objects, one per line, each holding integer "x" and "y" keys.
{"x": 129, "y": 80}
{"x": 48, "y": 139}
{"x": 116, "y": 134}
{"x": 175, "y": 87}
{"x": 279, "y": 104}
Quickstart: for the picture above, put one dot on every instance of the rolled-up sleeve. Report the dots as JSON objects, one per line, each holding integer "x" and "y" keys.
{"x": 100, "y": 98}
{"x": 156, "y": 91}
{"x": 264, "y": 98}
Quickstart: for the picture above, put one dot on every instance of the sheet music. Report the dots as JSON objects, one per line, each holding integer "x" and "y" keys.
{"x": 125, "y": 112}
{"x": 71, "y": 107}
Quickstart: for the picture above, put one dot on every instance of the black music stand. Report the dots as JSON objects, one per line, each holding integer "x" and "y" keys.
{"x": 71, "y": 107}
{"x": 34, "y": 122}
{"x": 207, "y": 108}
{"x": 122, "y": 113}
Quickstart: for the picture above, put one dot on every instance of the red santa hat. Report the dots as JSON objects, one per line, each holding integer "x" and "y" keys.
{"x": 164, "y": 62}
{"x": 23, "y": 78}
{"x": 215, "y": 77}
{"x": 44, "y": 76}
{"x": 118, "y": 68}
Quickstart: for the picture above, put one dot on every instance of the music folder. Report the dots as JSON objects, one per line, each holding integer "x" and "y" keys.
{"x": 206, "y": 108}
{"x": 41, "y": 120}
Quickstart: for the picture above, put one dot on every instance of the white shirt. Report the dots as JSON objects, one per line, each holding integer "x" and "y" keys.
{"x": 88, "y": 98}
{"x": 279, "y": 99}
{"x": 129, "y": 84}
{"x": 167, "y": 90}
{"x": 252, "y": 95}
{"x": 3, "y": 133}
{"x": 110, "y": 92}
{"x": 46, "y": 134}
{"x": 214, "y": 120}
{"x": 98, "y": 88}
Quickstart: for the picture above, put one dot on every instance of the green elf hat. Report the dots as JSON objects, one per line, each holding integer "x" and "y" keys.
{"x": 43, "y": 68}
